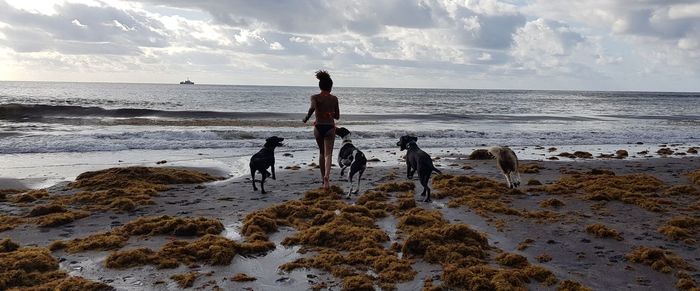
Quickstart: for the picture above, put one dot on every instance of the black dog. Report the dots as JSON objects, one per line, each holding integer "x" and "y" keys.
{"x": 264, "y": 159}
{"x": 417, "y": 159}
{"x": 350, "y": 156}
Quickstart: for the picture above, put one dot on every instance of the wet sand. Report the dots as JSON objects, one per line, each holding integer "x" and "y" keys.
{"x": 598, "y": 263}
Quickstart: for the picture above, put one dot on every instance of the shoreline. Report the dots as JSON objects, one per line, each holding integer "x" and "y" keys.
{"x": 40, "y": 170}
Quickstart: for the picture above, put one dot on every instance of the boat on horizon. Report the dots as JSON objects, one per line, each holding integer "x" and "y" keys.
{"x": 187, "y": 82}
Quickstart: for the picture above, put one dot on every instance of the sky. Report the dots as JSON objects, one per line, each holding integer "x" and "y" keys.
{"x": 647, "y": 45}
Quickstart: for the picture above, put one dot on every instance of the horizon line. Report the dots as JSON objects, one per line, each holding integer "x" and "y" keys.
{"x": 362, "y": 87}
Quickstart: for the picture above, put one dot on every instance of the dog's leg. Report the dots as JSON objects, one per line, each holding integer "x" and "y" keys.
{"x": 510, "y": 184}
{"x": 342, "y": 169}
{"x": 350, "y": 174}
{"x": 273, "y": 171}
{"x": 265, "y": 173}
{"x": 409, "y": 175}
{"x": 426, "y": 190}
{"x": 252, "y": 178}
{"x": 517, "y": 179}
{"x": 359, "y": 177}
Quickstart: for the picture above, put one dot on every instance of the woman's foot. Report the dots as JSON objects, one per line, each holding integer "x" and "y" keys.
{"x": 326, "y": 182}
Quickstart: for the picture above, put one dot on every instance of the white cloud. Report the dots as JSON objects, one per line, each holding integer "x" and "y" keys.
{"x": 430, "y": 42}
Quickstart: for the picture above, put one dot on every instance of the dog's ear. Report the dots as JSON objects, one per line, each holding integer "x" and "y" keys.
{"x": 413, "y": 138}
{"x": 280, "y": 139}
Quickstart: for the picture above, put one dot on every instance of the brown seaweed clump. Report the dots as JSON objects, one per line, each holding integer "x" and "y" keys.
{"x": 29, "y": 196}
{"x": 242, "y": 277}
{"x": 60, "y": 218}
{"x": 551, "y": 202}
{"x": 123, "y": 188}
{"x": 695, "y": 177}
{"x": 346, "y": 237}
{"x": 396, "y": 186}
{"x": 463, "y": 253}
{"x": 602, "y": 185}
{"x": 185, "y": 280}
{"x": 576, "y": 154}
{"x": 149, "y": 225}
{"x": 480, "y": 154}
{"x": 209, "y": 249}
{"x": 532, "y": 168}
{"x": 8, "y": 222}
{"x": 664, "y": 151}
{"x": 602, "y": 231}
{"x": 22, "y": 267}
{"x": 568, "y": 285}
{"x": 681, "y": 228}
{"x": 660, "y": 260}
{"x": 677, "y": 190}
{"x": 686, "y": 282}
{"x": 485, "y": 196}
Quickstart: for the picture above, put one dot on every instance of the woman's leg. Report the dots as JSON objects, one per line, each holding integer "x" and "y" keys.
{"x": 328, "y": 141}
{"x": 321, "y": 156}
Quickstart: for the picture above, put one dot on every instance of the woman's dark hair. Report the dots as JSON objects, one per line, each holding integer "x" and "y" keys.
{"x": 325, "y": 82}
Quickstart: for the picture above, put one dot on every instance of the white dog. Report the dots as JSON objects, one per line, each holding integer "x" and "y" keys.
{"x": 507, "y": 162}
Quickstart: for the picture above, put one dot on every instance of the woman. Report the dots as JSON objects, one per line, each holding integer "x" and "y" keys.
{"x": 326, "y": 107}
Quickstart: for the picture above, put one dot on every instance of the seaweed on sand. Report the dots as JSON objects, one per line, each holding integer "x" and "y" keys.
{"x": 60, "y": 218}
{"x": 209, "y": 249}
{"x": 568, "y": 285}
{"x": 149, "y": 225}
{"x": 346, "y": 237}
{"x": 695, "y": 176}
{"x": 531, "y": 168}
{"x": 396, "y": 186}
{"x": 603, "y": 231}
{"x": 22, "y": 267}
{"x": 480, "y": 154}
{"x": 551, "y": 202}
{"x": 485, "y": 196}
{"x": 681, "y": 228}
{"x": 600, "y": 185}
{"x": 29, "y": 196}
{"x": 185, "y": 280}
{"x": 660, "y": 260}
{"x": 123, "y": 188}
{"x": 464, "y": 254}
{"x": 242, "y": 277}
{"x": 8, "y": 222}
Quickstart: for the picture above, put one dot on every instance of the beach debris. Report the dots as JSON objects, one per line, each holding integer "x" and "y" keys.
{"x": 681, "y": 228}
{"x": 396, "y": 186}
{"x": 8, "y": 222}
{"x": 185, "y": 280}
{"x": 692, "y": 150}
{"x": 660, "y": 260}
{"x": 242, "y": 277}
{"x": 480, "y": 154}
{"x": 621, "y": 154}
{"x": 568, "y": 285}
{"x": 523, "y": 245}
{"x": 695, "y": 177}
{"x": 149, "y": 225}
{"x": 603, "y": 185}
{"x": 685, "y": 282}
{"x": 28, "y": 196}
{"x": 533, "y": 182}
{"x": 531, "y": 168}
{"x": 576, "y": 154}
{"x": 161, "y": 162}
{"x": 664, "y": 151}
{"x": 602, "y": 231}
{"x": 552, "y": 149}
{"x": 543, "y": 258}
{"x": 551, "y": 202}
{"x": 36, "y": 268}
{"x": 553, "y": 158}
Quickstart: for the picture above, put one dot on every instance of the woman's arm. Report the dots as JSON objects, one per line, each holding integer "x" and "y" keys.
{"x": 312, "y": 108}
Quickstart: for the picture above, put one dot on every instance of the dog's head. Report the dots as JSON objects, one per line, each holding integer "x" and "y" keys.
{"x": 342, "y": 132}
{"x": 273, "y": 141}
{"x": 405, "y": 140}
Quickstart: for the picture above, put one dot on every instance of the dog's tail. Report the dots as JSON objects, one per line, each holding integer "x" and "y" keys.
{"x": 436, "y": 170}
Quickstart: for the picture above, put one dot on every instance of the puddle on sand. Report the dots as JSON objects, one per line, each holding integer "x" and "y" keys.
{"x": 232, "y": 231}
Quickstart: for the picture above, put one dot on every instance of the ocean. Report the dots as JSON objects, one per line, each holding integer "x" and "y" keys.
{"x": 56, "y": 122}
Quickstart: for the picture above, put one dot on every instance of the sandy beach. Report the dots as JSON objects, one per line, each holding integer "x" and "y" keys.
{"x": 553, "y": 226}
